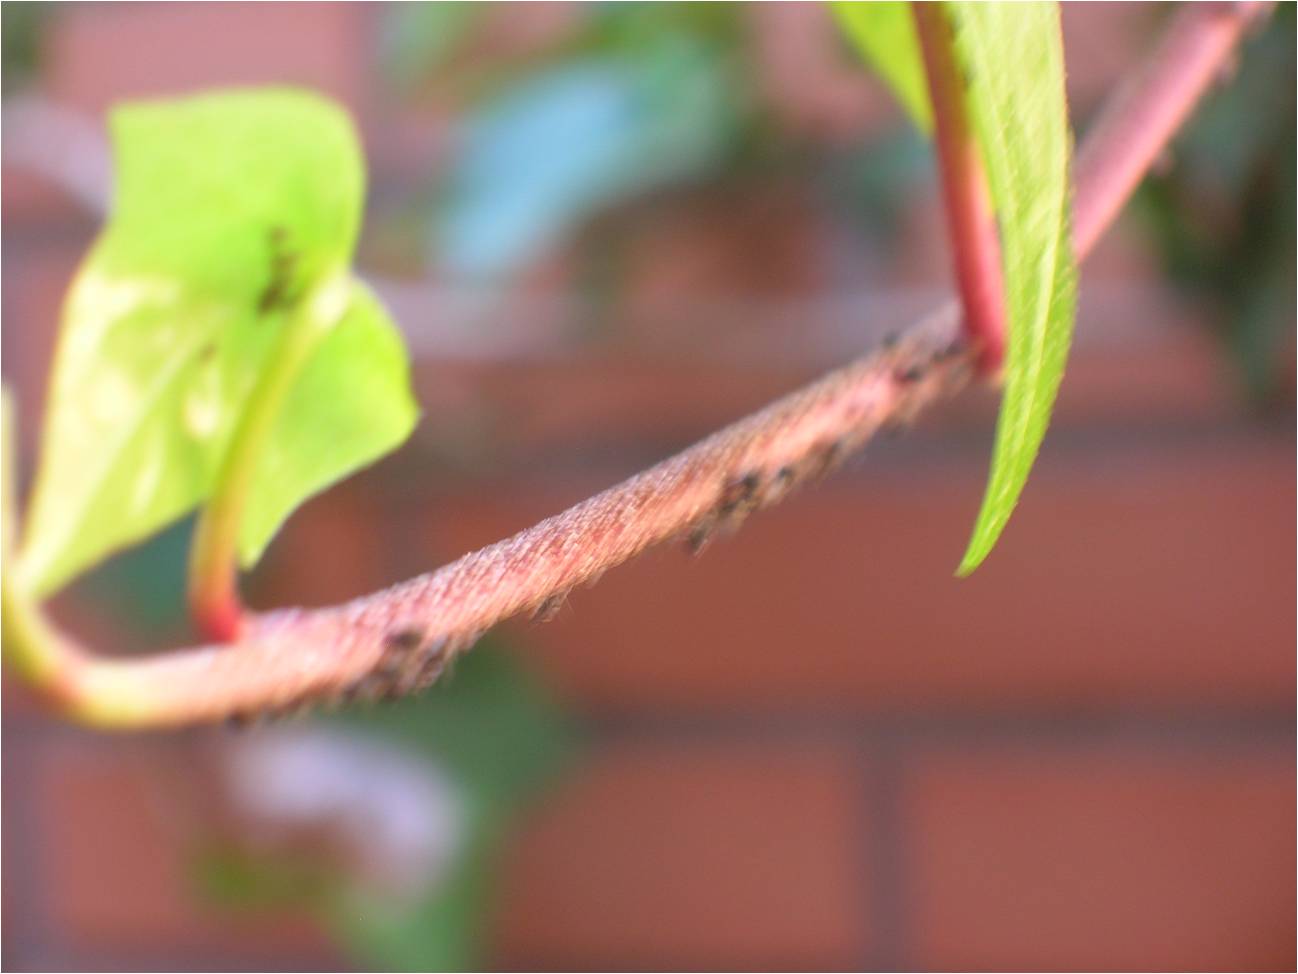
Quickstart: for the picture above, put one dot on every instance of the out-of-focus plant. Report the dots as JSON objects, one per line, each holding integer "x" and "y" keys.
{"x": 578, "y": 139}
{"x": 1222, "y": 211}
{"x": 217, "y": 354}
{"x": 214, "y": 347}
{"x": 24, "y": 24}
{"x": 419, "y": 795}
{"x": 636, "y": 98}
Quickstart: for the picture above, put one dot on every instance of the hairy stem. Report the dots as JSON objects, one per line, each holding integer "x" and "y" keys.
{"x": 399, "y": 640}
{"x": 971, "y": 221}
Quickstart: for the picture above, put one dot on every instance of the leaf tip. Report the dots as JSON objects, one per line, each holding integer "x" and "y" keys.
{"x": 973, "y": 557}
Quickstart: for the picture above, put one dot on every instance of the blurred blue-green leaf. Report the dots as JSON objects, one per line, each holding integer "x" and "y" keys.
{"x": 574, "y": 139}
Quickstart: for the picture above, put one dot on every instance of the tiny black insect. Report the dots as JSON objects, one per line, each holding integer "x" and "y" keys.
{"x": 549, "y": 607}
{"x": 405, "y": 640}
{"x": 699, "y": 537}
{"x": 953, "y": 349}
{"x": 281, "y": 290}
{"x": 738, "y": 494}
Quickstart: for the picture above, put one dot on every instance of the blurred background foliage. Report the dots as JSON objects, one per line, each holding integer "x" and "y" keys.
{"x": 634, "y": 103}
{"x": 641, "y": 100}
{"x": 492, "y": 735}
{"x": 568, "y": 144}
{"x": 1222, "y": 214}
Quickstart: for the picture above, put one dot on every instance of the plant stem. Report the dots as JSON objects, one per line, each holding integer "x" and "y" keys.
{"x": 34, "y": 651}
{"x": 971, "y": 221}
{"x": 214, "y": 557}
{"x": 385, "y": 643}
{"x": 398, "y": 640}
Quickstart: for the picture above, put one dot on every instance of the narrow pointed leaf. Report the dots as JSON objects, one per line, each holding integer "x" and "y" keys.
{"x": 883, "y": 33}
{"x": 1012, "y": 57}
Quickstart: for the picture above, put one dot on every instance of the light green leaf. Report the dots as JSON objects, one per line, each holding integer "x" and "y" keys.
{"x": 232, "y": 208}
{"x": 884, "y": 34}
{"x": 1013, "y": 62}
{"x": 350, "y": 405}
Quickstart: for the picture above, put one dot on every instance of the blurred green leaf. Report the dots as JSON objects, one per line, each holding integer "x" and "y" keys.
{"x": 228, "y": 876}
{"x": 1013, "y": 62}
{"x": 884, "y": 35}
{"x": 22, "y": 26}
{"x": 444, "y": 931}
{"x": 500, "y": 737}
{"x": 488, "y": 722}
{"x": 418, "y": 37}
{"x": 350, "y": 405}
{"x": 1222, "y": 216}
{"x": 235, "y": 213}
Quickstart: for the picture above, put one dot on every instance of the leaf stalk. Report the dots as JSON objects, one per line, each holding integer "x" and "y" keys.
{"x": 214, "y": 555}
{"x": 971, "y": 221}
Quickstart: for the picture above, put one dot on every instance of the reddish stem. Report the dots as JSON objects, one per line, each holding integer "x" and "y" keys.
{"x": 216, "y": 608}
{"x": 970, "y": 218}
{"x": 398, "y": 639}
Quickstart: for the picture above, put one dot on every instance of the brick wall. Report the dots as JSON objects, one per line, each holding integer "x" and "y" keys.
{"x": 810, "y": 747}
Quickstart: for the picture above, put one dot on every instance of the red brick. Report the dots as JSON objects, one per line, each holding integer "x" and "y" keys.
{"x": 758, "y": 240}
{"x": 1063, "y": 860}
{"x": 705, "y": 855}
{"x": 919, "y": 249}
{"x": 332, "y": 549}
{"x": 118, "y": 823}
{"x": 817, "y": 92}
{"x": 100, "y": 54}
{"x": 618, "y": 399}
{"x": 1163, "y": 578}
{"x": 670, "y": 384}
{"x": 1168, "y": 369}
{"x": 20, "y": 700}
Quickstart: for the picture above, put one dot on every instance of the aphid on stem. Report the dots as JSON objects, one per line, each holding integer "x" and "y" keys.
{"x": 549, "y": 607}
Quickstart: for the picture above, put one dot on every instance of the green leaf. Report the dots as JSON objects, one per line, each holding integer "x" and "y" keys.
{"x": 1013, "y": 62}
{"x": 350, "y": 405}
{"x": 233, "y": 211}
{"x": 884, "y": 35}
